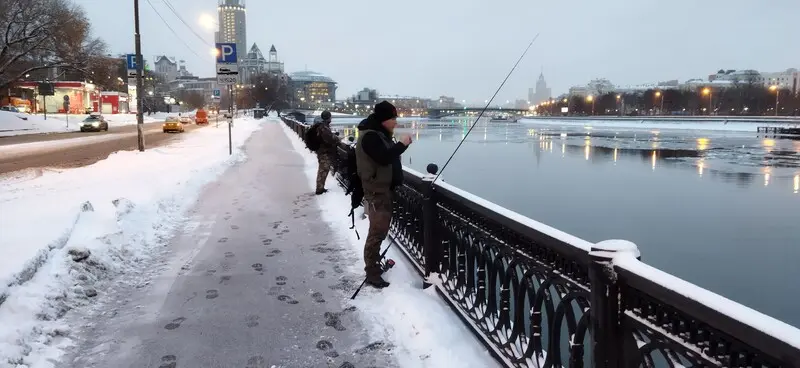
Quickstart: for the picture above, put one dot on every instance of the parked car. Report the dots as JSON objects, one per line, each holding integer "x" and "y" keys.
{"x": 185, "y": 120}
{"x": 10, "y": 108}
{"x": 94, "y": 123}
{"x": 173, "y": 124}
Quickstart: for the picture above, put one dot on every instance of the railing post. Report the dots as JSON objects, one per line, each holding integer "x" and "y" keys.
{"x": 431, "y": 246}
{"x": 606, "y": 322}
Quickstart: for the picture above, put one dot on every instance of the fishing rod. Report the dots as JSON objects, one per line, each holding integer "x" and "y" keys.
{"x": 389, "y": 263}
{"x": 485, "y": 108}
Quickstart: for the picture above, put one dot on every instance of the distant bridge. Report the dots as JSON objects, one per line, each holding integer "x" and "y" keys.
{"x": 435, "y": 113}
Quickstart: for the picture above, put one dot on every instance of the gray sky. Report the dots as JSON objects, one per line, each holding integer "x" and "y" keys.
{"x": 464, "y": 48}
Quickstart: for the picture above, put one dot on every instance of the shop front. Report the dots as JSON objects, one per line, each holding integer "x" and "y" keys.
{"x": 114, "y": 103}
{"x": 83, "y": 97}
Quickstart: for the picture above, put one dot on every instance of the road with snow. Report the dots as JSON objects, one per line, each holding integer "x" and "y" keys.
{"x": 47, "y": 137}
{"x": 76, "y": 149}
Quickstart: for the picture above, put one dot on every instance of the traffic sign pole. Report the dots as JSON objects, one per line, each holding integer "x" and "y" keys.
{"x": 227, "y": 73}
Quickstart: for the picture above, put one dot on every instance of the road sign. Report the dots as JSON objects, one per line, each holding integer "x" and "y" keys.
{"x": 46, "y": 89}
{"x": 226, "y": 79}
{"x": 226, "y": 53}
{"x": 216, "y": 93}
{"x": 66, "y": 99}
{"x": 130, "y": 60}
{"x": 227, "y": 69}
{"x": 227, "y": 64}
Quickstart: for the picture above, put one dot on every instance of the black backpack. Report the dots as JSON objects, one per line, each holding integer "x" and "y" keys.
{"x": 312, "y": 138}
{"x": 354, "y": 188}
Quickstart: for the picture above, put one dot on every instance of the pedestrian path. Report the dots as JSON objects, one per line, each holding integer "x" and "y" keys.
{"x": 254, "y": 280}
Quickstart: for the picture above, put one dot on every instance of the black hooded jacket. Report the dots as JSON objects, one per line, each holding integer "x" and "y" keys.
{"x": 375, "y": 148}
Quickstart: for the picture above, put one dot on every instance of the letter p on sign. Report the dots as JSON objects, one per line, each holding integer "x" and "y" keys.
{"x": 226, "y": 53}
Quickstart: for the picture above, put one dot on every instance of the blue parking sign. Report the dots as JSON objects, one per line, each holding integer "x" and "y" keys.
{"x": 226, "y": 53}
{"x": 216, "y": 93}
{"x": 131, "y": 61}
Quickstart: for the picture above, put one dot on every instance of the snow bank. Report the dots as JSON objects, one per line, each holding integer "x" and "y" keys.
{"x": 18, "y": 124}
{"x": 65, "y": 234}
{"x": 21, "y": 149}
{"x": 651, "y": 124}
{"x": 425, "y": 332}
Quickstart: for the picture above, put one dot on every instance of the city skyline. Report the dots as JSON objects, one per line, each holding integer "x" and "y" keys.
{"x": 429, "y": 60}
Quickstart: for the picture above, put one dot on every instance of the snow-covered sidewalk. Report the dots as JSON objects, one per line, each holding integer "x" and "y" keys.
{"x": 424, "y": 330}
{"x": 66, "y": 235}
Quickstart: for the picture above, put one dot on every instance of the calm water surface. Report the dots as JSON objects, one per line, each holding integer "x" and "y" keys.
{"x": 719, "y": 209}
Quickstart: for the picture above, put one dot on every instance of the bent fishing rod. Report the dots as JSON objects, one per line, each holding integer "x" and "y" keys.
{"x": 485, "y": 108}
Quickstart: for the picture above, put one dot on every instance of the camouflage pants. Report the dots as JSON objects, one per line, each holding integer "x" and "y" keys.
{"x": 325, "y": 163}
{"x": 379, "y": 211}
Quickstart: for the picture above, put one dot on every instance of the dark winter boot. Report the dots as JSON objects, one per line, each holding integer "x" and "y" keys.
{"x": 320, "y": 191}
{"x": 377, "y": 282}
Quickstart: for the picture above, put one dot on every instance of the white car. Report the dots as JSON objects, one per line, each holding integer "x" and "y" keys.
{"x": 186, "y": 120}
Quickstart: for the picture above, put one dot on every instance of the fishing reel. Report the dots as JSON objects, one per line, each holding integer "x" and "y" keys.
{"x": 385, "y": 266}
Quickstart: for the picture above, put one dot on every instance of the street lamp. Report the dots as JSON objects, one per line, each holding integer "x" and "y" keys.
{"x": 707, "y": 92}
{"x": 661, "y": 97}
{"x": 775, "y": 89}
{"x": 590, "y": 98}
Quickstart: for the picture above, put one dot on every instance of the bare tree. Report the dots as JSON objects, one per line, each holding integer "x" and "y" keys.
{"x": 43, "y": 34}
{"x": 192, "y": 99}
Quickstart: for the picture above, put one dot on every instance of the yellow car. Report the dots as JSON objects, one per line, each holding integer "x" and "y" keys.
{"x": 173, "y": 124}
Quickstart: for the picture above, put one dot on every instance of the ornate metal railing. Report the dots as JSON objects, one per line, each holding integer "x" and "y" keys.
{"x": 538, "y": 297}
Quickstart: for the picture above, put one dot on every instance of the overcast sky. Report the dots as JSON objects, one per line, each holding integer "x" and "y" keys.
{"x": 464, "y": 48}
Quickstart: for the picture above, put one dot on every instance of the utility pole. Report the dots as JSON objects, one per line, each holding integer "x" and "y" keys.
{"x": 139, "y": 81}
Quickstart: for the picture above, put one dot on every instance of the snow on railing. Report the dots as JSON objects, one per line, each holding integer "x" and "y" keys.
{"x": 531, "y": 292}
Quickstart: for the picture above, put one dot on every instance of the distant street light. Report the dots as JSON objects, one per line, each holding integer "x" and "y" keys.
{"x": 775, "y": 89}
{"x": 707, "y": 92}
{"x": 658, "y": 95}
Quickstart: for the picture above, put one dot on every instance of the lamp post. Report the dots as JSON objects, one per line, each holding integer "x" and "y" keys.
{"x": 660, "y": 96}
{"x": 707, "y": 92}
{"x": 777, "y": 91}
{"x": 590, "y": 98}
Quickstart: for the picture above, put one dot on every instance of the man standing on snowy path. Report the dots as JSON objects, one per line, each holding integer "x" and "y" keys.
{"x": 326, "y": 154}
{"x": 380, "y": 170}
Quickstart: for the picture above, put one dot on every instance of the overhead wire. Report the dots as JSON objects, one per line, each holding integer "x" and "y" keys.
{"x": 172, "y": 30}
{"x": 172, "y": 9}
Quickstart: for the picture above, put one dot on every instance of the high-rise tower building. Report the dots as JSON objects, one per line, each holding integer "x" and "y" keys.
{"x": 233, "y": 25}
{"x": 542, "y": 92}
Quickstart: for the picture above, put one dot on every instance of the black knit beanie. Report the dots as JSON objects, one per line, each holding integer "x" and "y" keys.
{"x": 385, "y": 111}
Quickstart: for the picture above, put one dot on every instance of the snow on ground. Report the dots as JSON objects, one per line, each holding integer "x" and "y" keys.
{"x": 65, "y": 234}
{"x": 22, "y": 149}
{"x": 425, "y": 331}
{"x": 18, "y": 123}
{"x": 679, "y": 124}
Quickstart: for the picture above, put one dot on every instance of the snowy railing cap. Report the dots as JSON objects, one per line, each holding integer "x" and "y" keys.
{"x": 613, "y": 248}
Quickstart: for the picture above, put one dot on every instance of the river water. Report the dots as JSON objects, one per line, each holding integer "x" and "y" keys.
{"x": 717, "y": 208}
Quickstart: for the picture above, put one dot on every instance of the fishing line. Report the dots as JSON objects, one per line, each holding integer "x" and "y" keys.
{"x": 485, "y": 108}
